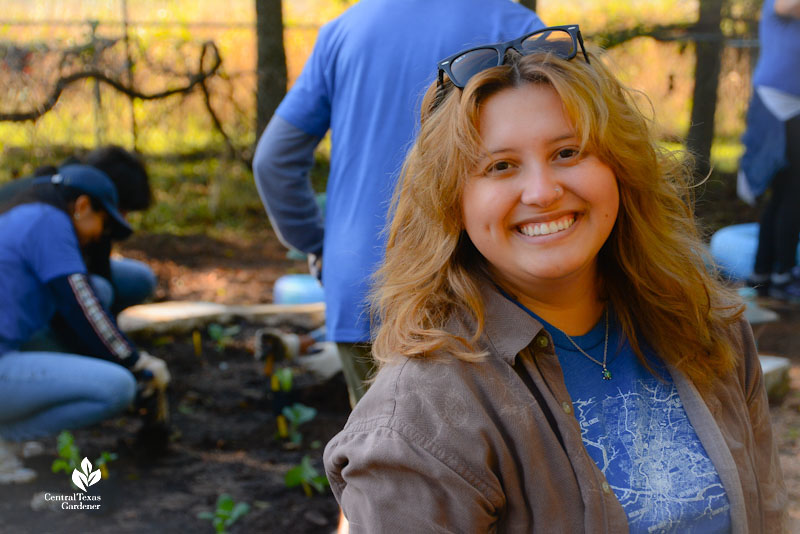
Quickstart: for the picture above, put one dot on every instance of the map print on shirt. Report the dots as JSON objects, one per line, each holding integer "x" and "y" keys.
{"x": 648, "y": 450}
{"x": 636, "y": 431}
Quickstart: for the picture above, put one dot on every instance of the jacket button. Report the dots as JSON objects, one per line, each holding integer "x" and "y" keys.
{"x": 606, "y": 487}
{"x": 567, "y": 408}
{"x": 542, "y": 341}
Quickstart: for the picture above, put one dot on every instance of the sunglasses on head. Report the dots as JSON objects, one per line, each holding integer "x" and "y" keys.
{"x": 561, "y": 41}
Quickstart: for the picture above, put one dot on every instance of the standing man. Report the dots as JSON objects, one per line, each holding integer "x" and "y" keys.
{"x": 772, "y": 151}
{"x": 364, "y": 82}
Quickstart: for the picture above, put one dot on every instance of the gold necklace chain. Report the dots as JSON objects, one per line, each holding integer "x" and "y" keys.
{"x": 606, "y": 372}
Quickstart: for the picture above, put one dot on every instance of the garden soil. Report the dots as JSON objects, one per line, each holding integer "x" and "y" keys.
{"x": 223, "y": 424}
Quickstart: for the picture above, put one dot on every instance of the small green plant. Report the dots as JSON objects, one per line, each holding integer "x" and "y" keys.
{"x": 297, "y": 414}
{"x": 69, "y": 456}
{"x": 281, "y": 384}
{"x": 281, "y": 380}
{"x": 306, "y": 476}
{"x": 102, "y": 462}
{"x": 226, "y": 514}
{"x": 223, "y": 335}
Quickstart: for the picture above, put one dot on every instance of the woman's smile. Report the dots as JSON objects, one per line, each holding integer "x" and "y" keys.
{"x": 547, "y": 227}
{"x": 539, "y": 206}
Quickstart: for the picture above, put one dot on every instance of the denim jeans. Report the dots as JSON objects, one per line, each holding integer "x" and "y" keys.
{"x": 132, "y": 282}
{"x": 43, "y": 393}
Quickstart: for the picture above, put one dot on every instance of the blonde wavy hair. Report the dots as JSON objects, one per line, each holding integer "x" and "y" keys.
{"x": 654, "y": 267}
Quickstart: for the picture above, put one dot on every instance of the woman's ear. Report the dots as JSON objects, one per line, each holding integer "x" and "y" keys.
{"x": 81, "y": 207}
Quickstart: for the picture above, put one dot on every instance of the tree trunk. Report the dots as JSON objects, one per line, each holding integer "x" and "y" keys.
{"x": 530, "y": 4}
{"x": 708, "y": 54}
{"x": 271, "y": 84}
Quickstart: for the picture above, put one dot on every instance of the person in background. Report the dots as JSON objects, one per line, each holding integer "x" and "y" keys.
{"x": 363, "y": 81}
{"x": 120, "y": 282}
{"x": 555, "y": 353}
{"x": 42, "y": 272}
{"x": 772, "y": 151}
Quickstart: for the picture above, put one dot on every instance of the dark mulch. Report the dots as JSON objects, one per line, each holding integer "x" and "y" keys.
{"x": 221, "y": 441}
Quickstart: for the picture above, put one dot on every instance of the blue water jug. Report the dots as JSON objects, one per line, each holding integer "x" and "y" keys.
{"x": 734, "y": 249}
{"x": 297, "y": 289}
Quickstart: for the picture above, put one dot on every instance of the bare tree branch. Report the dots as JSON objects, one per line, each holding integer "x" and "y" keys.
{"x": 63, "y": 82}
{"x": 232, "y": 150}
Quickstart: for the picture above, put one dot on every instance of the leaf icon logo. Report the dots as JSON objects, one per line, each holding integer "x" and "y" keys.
{"x": 85, "y": 477}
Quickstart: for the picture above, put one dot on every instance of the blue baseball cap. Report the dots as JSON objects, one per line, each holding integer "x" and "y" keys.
{"x": 99, "y": 186}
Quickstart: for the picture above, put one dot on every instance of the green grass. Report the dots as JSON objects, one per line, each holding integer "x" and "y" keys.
{"x": 725, "y": 154}
{"x": 209, "y": 195}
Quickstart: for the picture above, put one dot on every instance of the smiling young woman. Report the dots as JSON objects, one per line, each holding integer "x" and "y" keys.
{"x": 556, "y": 355}
{"x": 539, "y": 209}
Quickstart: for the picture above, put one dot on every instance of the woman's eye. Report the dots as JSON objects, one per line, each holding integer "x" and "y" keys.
{"x": 498, "y": 167}
{"x": 567, "y": 153}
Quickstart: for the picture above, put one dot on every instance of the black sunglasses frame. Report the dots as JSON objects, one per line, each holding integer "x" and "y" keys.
{"x": 572, "y": 29}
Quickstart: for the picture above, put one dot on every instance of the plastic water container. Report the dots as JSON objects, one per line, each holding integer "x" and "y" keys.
{"x": 734, "y": 249}
{"x": 297, "y": 289}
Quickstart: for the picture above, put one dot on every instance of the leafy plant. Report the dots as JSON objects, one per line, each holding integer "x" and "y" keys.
{"x": 69, "y": 456}
{"x": 306, "y": 476}
{"x": 297, "y": 414}
{"x": 281, "y": 385}
{"x": 102, "y": 462}
{"x": 226, "y": 514}
{"x": 282, "y": 380}
{"x": 223, "y": 335}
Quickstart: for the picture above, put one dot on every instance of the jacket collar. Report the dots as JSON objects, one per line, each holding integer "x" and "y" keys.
{"x": 508, "y": 328}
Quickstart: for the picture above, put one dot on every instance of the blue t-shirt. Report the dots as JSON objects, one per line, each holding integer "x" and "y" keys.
{"x": 37, "y": 244}
{"x": 636, "y": 430}
{"x": 779, "y": 58}
{"x": 364, "y": 80}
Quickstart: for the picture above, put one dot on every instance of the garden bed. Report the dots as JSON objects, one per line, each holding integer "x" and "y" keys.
{"x": 221, "y": 440}
{"x": 223, "y": 426}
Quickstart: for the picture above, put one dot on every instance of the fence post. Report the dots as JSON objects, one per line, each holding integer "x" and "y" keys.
{"x": 708, "y": 54}
{"x": 98, "y": 105}
{"x": 129, "y": 69}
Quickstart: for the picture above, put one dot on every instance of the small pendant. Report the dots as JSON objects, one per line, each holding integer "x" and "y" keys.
{"x": 606, "y": 374}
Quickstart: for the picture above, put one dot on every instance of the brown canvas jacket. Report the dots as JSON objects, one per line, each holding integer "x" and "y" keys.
{"x": 450, "y": 446}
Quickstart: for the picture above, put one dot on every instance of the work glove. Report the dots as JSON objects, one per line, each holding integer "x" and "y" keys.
{"x": 152, "y": 369}
{"x": 151, "y": 398}
{"x": 315, "y": 265}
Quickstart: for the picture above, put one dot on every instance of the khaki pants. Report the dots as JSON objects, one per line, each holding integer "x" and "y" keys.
{"x": 358, "y": 367}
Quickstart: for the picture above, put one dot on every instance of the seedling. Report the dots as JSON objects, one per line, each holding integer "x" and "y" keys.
{"x": 306, "y": 476}
{"x": 282, "y": 380}
{"x": 297, "y": 414}
{"x": 226, "y": 514}
{"x": 223, "y": 335}
{"x": 69, "y": 456}
{"x": 102, "y": 462}
{"x": 281, "y": 385}
{"x": 197, "y": 342}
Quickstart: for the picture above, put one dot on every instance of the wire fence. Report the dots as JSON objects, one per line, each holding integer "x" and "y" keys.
{"x": 156, "y": 86}
{"x": 166, "y": 87}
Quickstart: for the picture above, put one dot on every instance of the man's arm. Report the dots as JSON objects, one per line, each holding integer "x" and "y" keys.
{"x": 281, "y": 166}
{"x": 788, "y": 8}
